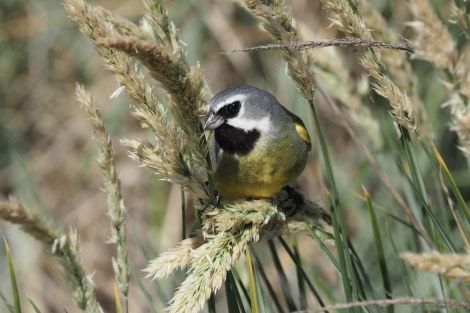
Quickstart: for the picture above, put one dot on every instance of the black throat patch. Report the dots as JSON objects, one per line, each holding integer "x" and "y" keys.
{"x": 234, "y": 140}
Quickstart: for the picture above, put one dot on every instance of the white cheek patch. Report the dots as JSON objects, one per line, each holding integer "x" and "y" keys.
{"x": 241, "y": 122}
{"x": 232, "y": 99}
{"x": 263, "y": 125}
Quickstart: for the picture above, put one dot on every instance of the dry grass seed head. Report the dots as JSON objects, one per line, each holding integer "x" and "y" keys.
{"x": 348, "y": 21}
{"x": 184, "y": 84}
{"x": 461, "y": 125}
{"x": 343, "y": 17}
{"x": 401, "y": 108}
{"x": 277, "y": 21}
{"x": 462, "y": 74}
{"x": 223, "y": 238}
{"x": 179, "y": 257}
{"x": 65, "y": 248}
{"x": 461, "y": 16}
{"x": 433, "y": 42}
{"x": 169, "y": 165}
{"x": 449, "y": 265}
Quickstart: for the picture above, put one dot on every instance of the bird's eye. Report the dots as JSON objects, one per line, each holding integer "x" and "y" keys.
{"x": 230, "y": 110}
{"x": 234, "y": 106}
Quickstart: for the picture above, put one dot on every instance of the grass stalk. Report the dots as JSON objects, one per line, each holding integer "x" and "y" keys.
{"x": 14, "y": 285}
{"x": 460, "y": 200}
{"x": 345, "y": 267}
{"x": 299, "y": 267}
{"x": 241, "y": 286}
{"x": 284, "y": 282}
{"x": 380, "y": 251}
{"x": 255, "y": 303}
{"x": 117, "y": 300}
{"x": 300, "y": 276}
{"x": 232, "y": 294}
{"x": 273, "y": 296}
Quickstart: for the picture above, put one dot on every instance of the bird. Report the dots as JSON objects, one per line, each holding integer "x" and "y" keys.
{"x": 257, "y": 147}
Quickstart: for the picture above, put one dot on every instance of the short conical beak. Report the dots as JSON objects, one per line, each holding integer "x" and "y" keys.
{"x": 213, "y": 121}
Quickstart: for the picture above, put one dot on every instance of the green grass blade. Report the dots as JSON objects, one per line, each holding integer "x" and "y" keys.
{"x": 255, "y": 305}
{"x": 380, "y": 251}
{"x": 341, "y": 232}
{"x": 300, "y": 278}
{"x": 234, "y": 301}
{"x": 164, "y": 298}
{"x": 322, "y": 285}
{"x": 36, "y": 309}
{"x": 14, "y": 286}
{"x": 319, "y": 282}
{"x": 144, "y": 290}
{"x": 267, "y": 283}
{"x": 10, "y": 307}
{"x": 241, "y": 286}
{"x": 433, "y": 222}
{"x": 299, "y": 266}
{"x": 361, "y": 278}
{"x": 232, "y": 304}
{"x": 413, "y": 162}
{"x": 324, "y": 248}
{"x": 286, "y": 290}
{"x": 211, "y": 303}
{"x": 265, "y": 306}
{"x": 453, "y": 185}
{"x": 345, "y": 266}
{"x": 404, "y": 274}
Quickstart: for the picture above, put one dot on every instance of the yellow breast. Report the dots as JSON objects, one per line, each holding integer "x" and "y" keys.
{"x": 261, "y": 173}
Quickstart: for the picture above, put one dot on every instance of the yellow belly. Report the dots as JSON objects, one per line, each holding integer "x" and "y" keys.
{"x": 257, "y": 175}
{"x": 247, "y": 191}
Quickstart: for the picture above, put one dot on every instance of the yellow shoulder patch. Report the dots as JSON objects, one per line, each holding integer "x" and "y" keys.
{"x": 303, "y": 133}
{"x": 301, "y": 130}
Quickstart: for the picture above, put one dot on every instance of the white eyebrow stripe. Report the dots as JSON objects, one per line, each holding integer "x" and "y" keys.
{"x": 263, "y": 125}
{"x": 232, "y": 99}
